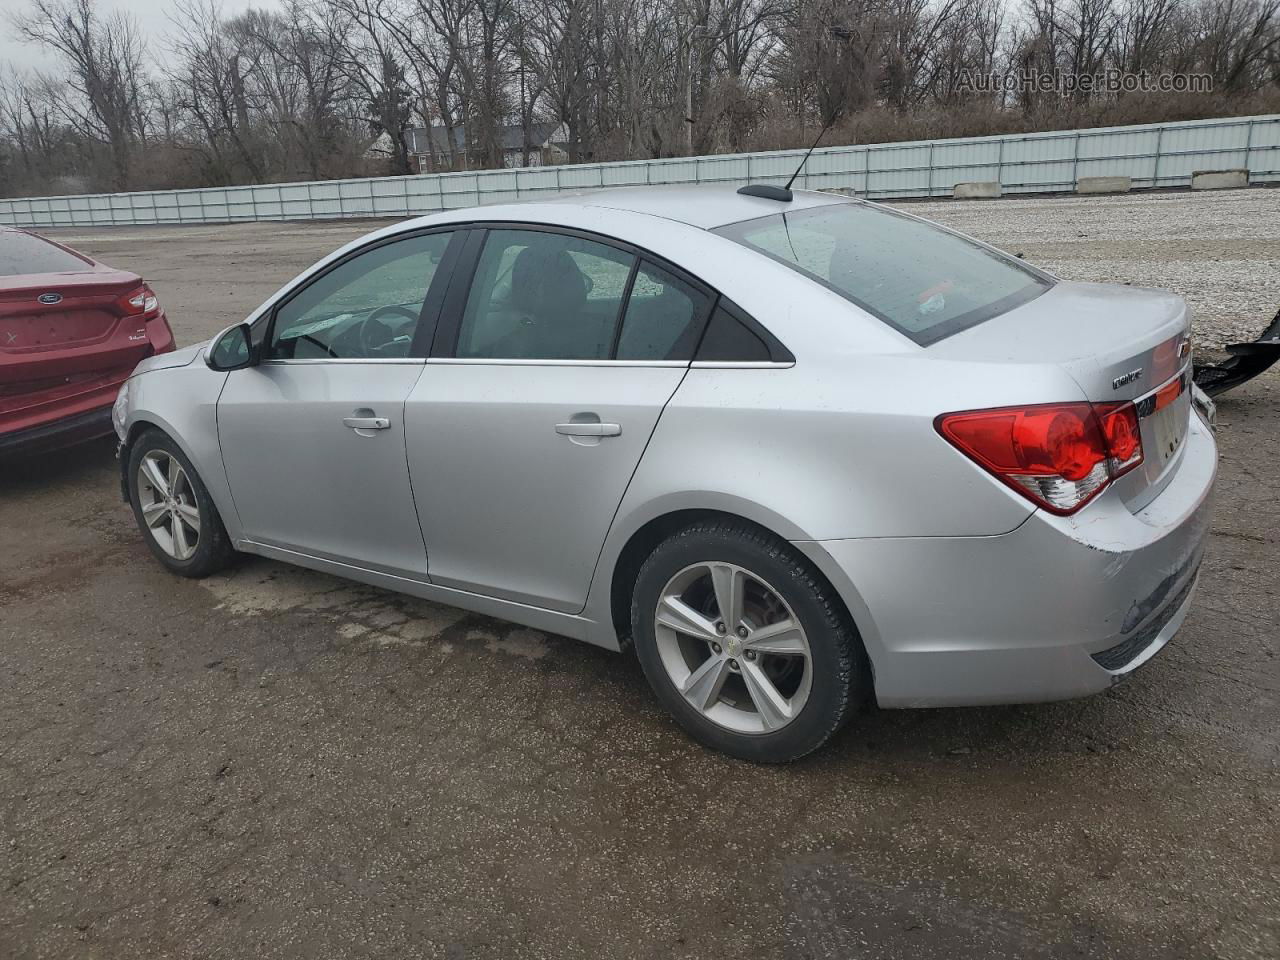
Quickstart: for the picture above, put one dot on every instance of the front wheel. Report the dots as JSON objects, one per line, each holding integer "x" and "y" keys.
{"x": 173, "y": 509}
{"x": 745, "y": 643}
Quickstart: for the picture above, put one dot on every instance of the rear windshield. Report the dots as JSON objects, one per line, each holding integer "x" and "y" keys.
{"x": 921, "y": 280}
{"x": 23, "y": 253}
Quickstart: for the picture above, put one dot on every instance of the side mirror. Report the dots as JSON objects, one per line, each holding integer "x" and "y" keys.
{"x": 232, "y": 349}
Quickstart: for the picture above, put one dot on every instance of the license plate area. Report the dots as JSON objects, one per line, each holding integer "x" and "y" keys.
{"x": 1163, "y": 416}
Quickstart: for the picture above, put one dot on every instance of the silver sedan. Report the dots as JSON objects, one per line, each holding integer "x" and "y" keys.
{"x": 800, "y": 452}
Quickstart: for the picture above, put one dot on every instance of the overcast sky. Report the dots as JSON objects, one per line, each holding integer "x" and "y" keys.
{"x": 152, "y": 16}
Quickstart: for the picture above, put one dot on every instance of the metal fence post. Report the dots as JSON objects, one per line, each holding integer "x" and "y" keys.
{"x": 1248, "y": 146}
{"x": 1075, "y": 164}
{"x": 1155, "y": 170}
{"x": 928, "y": 192}
{"x": 999, "y": 166}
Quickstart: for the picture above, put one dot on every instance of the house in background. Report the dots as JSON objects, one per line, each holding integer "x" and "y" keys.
{"x": 548, "y": 144}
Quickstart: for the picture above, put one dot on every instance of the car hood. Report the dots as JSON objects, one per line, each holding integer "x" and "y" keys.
{"x": 175, "y": 358}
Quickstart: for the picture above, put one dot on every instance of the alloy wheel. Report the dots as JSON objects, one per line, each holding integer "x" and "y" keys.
{"x": 733, "y": 647}
{"x": 168, "y": 504}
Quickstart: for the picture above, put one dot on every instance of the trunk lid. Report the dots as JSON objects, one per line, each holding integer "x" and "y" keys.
{"x": 63, "y": 347}
{"x": 1117, "y": 343}
{"x": 81, "y": 330}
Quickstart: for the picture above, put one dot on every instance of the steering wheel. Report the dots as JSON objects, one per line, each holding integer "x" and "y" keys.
{"x": 367, "y": 332}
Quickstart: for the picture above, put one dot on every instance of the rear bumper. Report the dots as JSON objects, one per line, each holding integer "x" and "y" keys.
{"x": 63, "y": 432}
{"x": 1061, "y": 607}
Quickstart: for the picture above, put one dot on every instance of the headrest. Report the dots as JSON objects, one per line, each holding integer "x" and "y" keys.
{"x": 547, "y": 281}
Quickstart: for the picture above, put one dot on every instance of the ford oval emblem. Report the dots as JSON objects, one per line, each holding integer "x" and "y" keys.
{"x": 50, "y": 298}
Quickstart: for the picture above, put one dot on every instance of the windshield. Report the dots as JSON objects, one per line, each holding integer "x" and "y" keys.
{"x": 921, "y": 280}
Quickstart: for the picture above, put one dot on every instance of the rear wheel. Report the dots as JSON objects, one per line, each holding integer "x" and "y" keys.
{"x": 173, "y": 509}
{"x": 744, "y": 643}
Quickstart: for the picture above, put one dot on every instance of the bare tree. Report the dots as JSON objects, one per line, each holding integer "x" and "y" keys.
{"x": 105, "y": 77}
{"x": 316, "y": 87}
{"x": 307, "y": 94}
{"x": 372, "y": 60}
{"x": 40, "y": 147}
{"x": 212, "y": 62}
{"x": 1239, "y": 39}
{"x": 563, "y": 43}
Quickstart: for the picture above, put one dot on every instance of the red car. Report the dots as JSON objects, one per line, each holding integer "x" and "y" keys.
{"x": 71, "y": 332}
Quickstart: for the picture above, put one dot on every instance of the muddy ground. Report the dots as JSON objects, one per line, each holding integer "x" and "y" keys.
{"x": 276, "y": 763}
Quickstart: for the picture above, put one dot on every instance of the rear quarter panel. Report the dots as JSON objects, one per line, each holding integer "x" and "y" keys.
{"x": 840, "y": 447}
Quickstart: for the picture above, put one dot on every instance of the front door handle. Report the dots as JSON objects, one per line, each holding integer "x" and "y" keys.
{"x": 366, "y": 423}
{"x": 589, "y": 429}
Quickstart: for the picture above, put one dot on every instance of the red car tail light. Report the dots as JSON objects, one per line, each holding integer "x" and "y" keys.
{"x": 1058, "y": 455}
{"x": 141, "y": 302}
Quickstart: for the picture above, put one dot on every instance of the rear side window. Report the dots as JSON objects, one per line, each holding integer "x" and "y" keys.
{"x": 921, "y": 280}
{"x": 22, "y": 253}
{"x": 544, "y": 296}
{"x": 663, "y": 317}
{"x": 729, "y": 339}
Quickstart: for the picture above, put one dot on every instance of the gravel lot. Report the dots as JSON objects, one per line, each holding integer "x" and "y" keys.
{"x": 276, "y": 763}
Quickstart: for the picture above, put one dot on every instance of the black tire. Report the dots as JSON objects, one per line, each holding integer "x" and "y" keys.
{"x": 840, "y": 670}
{"x": 213, "y": 548}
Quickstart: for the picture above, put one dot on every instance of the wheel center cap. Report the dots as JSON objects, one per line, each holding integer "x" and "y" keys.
{"x": 731, "y": 644}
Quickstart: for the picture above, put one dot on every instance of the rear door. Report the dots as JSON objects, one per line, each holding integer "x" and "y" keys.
{"x": 313, "y": 438}
{"x": 549, "y": 374}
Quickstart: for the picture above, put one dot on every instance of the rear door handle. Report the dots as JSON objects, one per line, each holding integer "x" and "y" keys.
{"x": 589, "y": 429}
{"x": 366, "y": 423}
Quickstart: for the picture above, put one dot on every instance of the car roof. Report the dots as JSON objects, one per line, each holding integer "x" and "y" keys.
{"x": 703, "y": 206}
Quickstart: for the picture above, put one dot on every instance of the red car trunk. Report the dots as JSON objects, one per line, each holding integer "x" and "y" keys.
{"x": 69, "y": 336}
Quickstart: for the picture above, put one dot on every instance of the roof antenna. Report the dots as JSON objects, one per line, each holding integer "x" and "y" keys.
{"x": 768, "y": 191}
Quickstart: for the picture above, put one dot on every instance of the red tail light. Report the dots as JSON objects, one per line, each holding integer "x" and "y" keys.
{"x": 141, "y": 302}
{"x": 1058, "y": 455}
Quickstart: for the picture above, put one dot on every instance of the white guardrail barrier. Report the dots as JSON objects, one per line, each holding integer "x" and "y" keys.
{"x": 1151, "y": 155}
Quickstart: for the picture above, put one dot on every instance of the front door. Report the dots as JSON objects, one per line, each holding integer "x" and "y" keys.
{"x": 313, "y": 438}
{"x": 522, "y": 440}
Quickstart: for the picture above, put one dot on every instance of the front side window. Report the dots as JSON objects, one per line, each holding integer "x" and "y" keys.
{"x": 921, "y": 280}
{"x": 365, "y": 308}
{"x": 544, "y": 296}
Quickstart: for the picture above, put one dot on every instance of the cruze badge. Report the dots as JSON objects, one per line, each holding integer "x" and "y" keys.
{"x": 1125, "y": 378}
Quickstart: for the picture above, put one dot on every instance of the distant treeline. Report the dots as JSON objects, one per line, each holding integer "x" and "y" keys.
{"x": 316, "y": 89}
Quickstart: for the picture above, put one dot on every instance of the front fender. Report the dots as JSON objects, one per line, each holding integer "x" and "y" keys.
{"x": 183, "y": 402}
